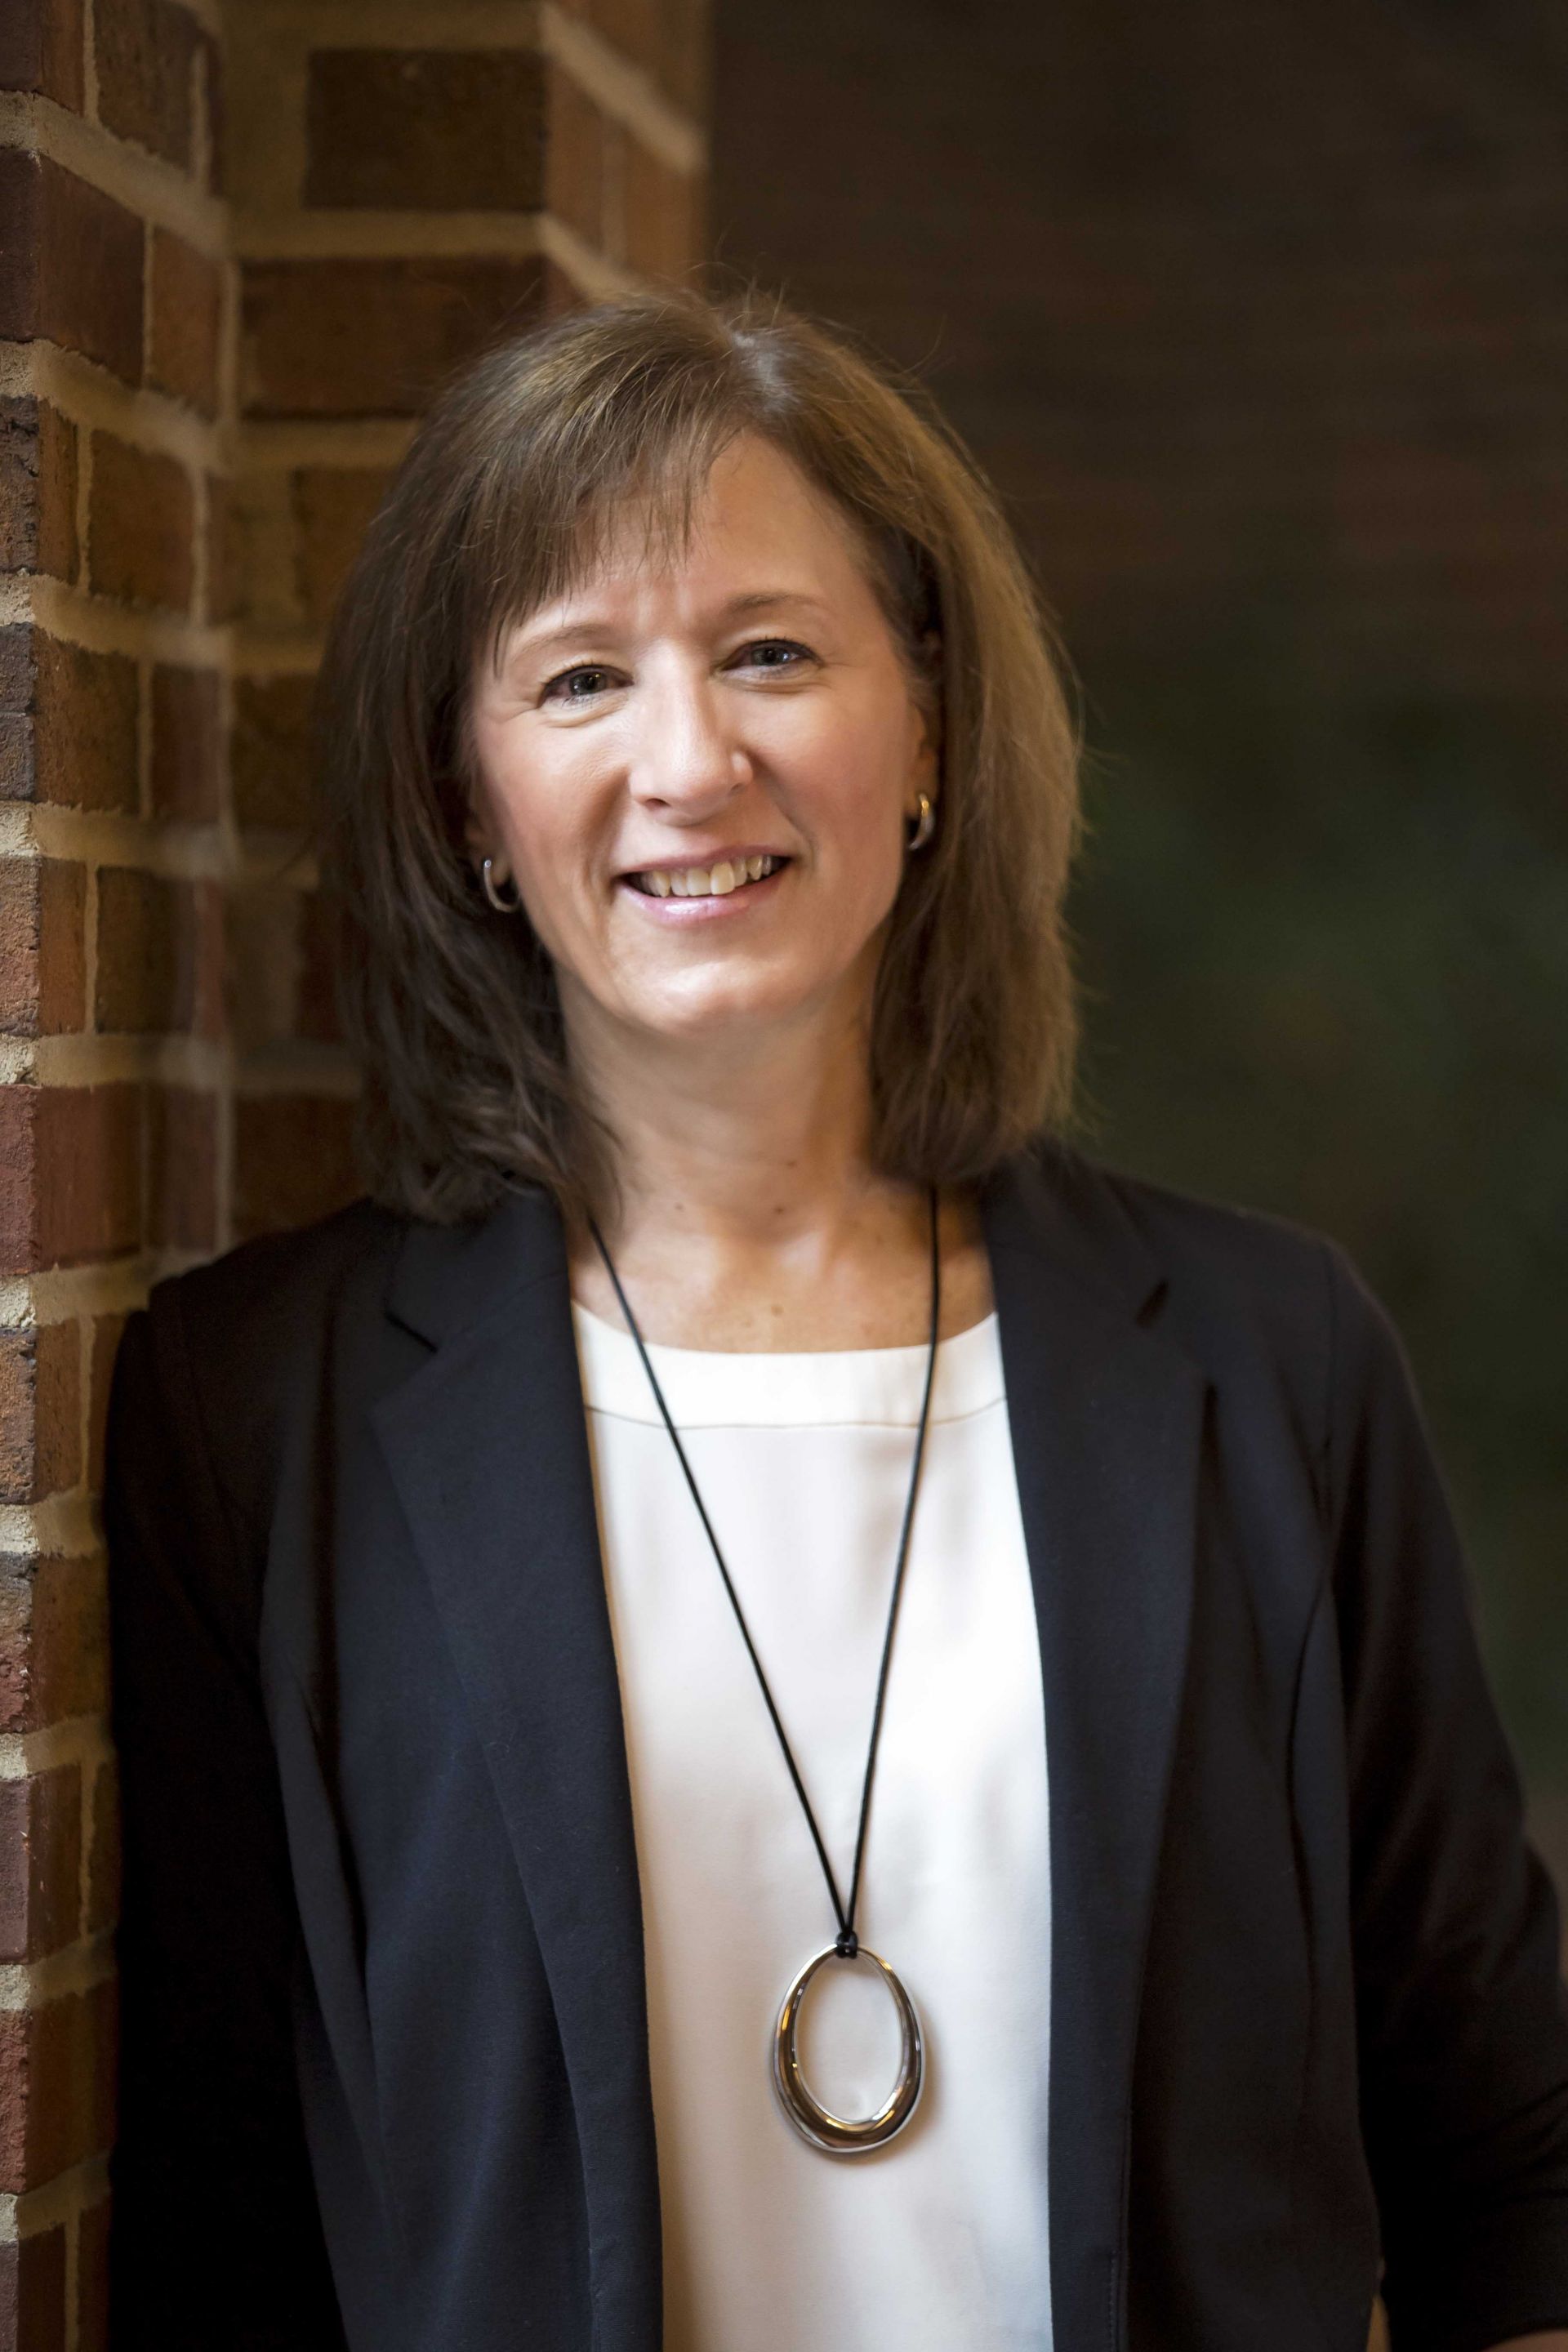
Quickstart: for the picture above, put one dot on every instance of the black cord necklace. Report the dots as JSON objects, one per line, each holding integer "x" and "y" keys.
{"x": 811, "y": 2119}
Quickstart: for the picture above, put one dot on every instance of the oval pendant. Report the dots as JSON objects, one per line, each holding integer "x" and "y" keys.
{"x": 833, "y": 2134}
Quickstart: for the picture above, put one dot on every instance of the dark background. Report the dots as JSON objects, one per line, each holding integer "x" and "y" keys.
{"x": 1255, "y": 314}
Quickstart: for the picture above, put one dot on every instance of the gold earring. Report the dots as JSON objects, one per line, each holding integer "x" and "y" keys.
{"x": 924, "y": 825}
{"x": 502, "y": 905}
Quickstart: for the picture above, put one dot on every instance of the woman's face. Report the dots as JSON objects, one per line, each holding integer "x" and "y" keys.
{"x": 698, "y": 767}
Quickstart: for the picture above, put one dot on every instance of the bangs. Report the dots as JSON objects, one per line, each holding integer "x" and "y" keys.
{"x": 570, "y": 482}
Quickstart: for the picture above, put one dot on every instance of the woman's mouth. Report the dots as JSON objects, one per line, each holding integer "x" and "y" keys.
{"x": 680, "y": 896}
{"x": 716, "y": 881}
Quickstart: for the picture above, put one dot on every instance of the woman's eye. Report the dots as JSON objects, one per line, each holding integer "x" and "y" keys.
{"x": 576, "y": 686}
{"x": 773, "y": 652}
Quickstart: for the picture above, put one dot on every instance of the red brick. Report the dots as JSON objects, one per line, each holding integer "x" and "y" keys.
{"x": 37, "y": 489}
{"x": 632, "y": 26}
{"x": 103, "y": 1850}
{"x": 40, "y": 1863}
{"x": 662, "y": 216}
{"x": 558, "y": 295}
{"x": 574, "y": 166}
{"x": 22, "y": 208}
{"x": 58, "y": 550}
{"x": 426, "y": 130}
{"x": 58, "y": 1406}
{"x": 106, "y": 1332}
{"x": 264, "y": 927}
{"x": 149, "y": 977}
{"x": 222, "y": 568}
{"x": 140, "y": 522}
{"x": 40, "y": 1412}
{"x": 186, "y": 322}
{"x": 53, "y": 1641}
{"x": 182, "y": 1169}
{"x": 207, "y": 1011}
{"x": 187, "y": 743}
{"x": 43, "y": 976}
{"x": 19, "y": 929}
{"x": 88, "y": 1173}
{"x": 17, "y": 1368}
{"x": 293, "y": 1160}
{"x": 18, "y": 484}
{"x": 685, "y": 65}
{"x": 41, "y": 49}
{"x": 86, "y": 706}
{"x": 92, "y": 2279}
{"x": 670, "y": 39}
{"x": 56, "y": 2086}
{"x": 16, "y": 666}
{"x": 269, "y": 753}
{"x": 41, "y": 2321}
{"x": 33, "y": 2292}
{"x": 373, "y": 338}
{"x": 70, "y": 1175}
{"x": 333, "y": 509}
{"x": 70, "y": 264}
{"x": 316, "y": 1018}
{"x": 146, "y": 50}
{"x": 16, "y": 756}
{"x": 62, "y": 947}
{"x": 213, "y": 99}
{"x": 17, "y": 684}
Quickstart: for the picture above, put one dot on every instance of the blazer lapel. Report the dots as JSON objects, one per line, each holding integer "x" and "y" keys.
{"x": 1106, "y": 1420}
{"x": 486, "y": 1444}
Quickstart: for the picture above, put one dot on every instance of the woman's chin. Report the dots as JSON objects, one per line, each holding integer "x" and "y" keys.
{"x": 734, "y": 1012}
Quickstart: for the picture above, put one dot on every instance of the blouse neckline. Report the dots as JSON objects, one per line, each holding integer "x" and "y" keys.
{"x": 720, "y": 1388}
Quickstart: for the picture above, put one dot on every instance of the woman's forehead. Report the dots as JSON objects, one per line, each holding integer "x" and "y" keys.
{"x": 751, "y": 532}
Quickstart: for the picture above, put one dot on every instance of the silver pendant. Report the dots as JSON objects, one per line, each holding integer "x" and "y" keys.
{"x": 832, "y": 2133}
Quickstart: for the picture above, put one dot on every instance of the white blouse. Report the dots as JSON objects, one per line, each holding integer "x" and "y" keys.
{"x": 937, "y": 2243}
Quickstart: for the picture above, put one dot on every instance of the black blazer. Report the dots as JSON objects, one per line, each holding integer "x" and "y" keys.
{"x": 385, "y": 2077}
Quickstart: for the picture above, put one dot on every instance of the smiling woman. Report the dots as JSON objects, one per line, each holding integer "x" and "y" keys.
{"x": 759, "y": 1708}
{"x": 652, "y": 543}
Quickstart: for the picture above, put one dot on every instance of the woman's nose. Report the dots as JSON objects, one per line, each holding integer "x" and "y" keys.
{"x": 684, "y": 757}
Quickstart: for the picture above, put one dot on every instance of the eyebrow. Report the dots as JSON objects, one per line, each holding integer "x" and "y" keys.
{"x": 595, "y": 626}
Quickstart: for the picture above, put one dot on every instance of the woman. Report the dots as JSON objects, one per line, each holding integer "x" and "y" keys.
{"x": 735, "y": 1404}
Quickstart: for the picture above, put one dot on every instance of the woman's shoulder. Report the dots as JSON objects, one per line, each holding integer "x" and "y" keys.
{"x": 280, "y": 1288}
{"x": 1244, "y": 1288}
{"x": 1205, "y": 1243}
{"x": 238, "y": 1346}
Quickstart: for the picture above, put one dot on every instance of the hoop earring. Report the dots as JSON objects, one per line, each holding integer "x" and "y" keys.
{"x": 502, "y": 905}
{"x": 924, "y": 825}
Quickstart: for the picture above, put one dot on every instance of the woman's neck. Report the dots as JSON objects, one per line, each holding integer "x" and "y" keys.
{"x": 751, "y": 1216}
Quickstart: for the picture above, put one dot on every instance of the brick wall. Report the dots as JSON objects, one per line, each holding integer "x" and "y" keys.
{"x": 235, "y": 255}
{"x": 115, "y": 293}
{"x": 1252, "y": 309}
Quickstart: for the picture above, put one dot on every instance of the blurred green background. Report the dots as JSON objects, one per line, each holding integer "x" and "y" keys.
{"x": 1325, "y": 947}
{"x": 1258, "y": 319}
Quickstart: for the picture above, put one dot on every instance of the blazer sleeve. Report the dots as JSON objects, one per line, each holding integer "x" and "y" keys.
{"x": 1462, "y": 2016}
{"x": 215, "y": 2238}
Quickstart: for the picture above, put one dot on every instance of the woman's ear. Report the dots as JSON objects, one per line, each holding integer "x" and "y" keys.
{"x": 476, "y": 833}
{"x": 930, "y": 701}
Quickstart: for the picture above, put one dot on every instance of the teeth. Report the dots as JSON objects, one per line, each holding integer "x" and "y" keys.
{"x": 704, "y": 881}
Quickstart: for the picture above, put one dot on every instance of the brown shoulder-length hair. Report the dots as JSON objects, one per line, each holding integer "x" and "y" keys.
{"x": 502, "y": 503}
